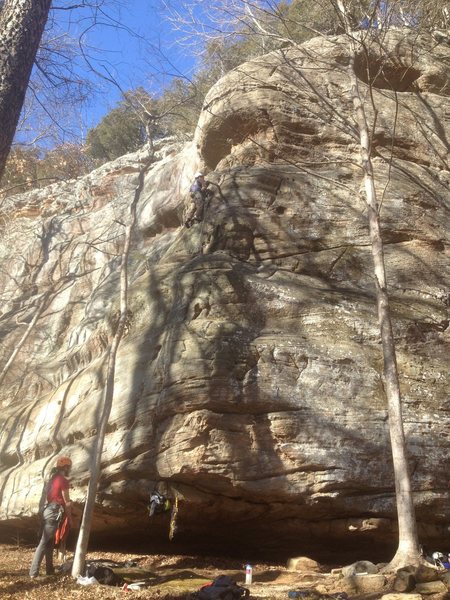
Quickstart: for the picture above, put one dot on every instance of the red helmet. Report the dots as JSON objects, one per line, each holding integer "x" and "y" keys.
{"x": 63, "y": 461}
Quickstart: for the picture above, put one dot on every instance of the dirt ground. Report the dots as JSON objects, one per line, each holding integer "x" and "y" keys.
{"x": 168, "y": 577}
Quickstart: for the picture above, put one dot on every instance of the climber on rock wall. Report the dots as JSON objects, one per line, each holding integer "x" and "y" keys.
{"x": 199, "y": 193}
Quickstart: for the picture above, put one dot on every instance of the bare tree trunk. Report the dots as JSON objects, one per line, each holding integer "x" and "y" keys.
{"x": 408, "y": 549}
{"x": 408, "y": 552}
{"x": 85, "y": 528}
{"x": 22, "y": 23}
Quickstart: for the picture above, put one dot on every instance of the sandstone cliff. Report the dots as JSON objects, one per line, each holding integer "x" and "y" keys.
{"x": 249, "y": 380}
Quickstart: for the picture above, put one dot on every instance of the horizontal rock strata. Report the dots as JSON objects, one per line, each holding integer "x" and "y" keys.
{"x": 249, "y": 380}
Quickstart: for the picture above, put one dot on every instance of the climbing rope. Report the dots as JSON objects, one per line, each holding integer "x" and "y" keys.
{"x": 173, "y": 519}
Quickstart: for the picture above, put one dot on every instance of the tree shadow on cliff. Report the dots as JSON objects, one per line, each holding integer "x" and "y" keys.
{"x": 351, "y": 209}
{"x": 398, "y": 153}
{"x": 215, "y": 383}
{"x": 276, "y": 166}
{"x": 220, "y": 388}
{"x": 232, "y": 253}
{"x": 57, "y": 282}
{"x": 324, "y": 110}
{"x": 146, "y": 402}
{"x": 438, "y": 129}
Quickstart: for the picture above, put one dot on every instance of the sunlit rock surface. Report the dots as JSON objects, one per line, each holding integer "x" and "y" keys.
{"x": 249, "y": 379}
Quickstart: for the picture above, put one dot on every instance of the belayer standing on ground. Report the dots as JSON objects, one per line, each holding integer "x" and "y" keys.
{"x": 199, "y": 193}
{"x": 57, "y": 505}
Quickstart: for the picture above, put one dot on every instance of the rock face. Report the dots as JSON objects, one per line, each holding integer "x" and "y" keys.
{"x": 249, "y": 380}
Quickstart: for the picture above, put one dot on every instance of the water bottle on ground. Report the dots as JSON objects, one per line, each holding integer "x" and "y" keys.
{"x": 248, "y": 574}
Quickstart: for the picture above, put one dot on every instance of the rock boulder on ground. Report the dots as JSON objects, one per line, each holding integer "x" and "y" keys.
{"x": 303, "y": 563}
{"x": 360, "y": 567}
{"x": 369, "y": 584}
{"x": 431, "y": 587}
{"x": 424, "y": 574}
{"x": 404, "y": 581}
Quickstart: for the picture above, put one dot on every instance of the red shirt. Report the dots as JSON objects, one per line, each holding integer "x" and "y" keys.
{"x": 58, "y": 485}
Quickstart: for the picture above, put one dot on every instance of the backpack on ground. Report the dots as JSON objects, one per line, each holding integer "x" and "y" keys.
{"x": 222, "y": 588}
{"x": 104, "y": 575}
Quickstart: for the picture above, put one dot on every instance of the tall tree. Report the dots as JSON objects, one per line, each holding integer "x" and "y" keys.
{"x": 108, "y": 391}
{"x": 22, "y": 23}
{"x": 408, "y": 550}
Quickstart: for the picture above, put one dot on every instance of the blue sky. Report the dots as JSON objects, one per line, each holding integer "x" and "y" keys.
{"x": 134, "y": 53}
{"x": 132, "y": 42}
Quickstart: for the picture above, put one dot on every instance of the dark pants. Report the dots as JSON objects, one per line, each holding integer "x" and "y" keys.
{"x": 196, "y": 210}
{"x": 45, "y": 547}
